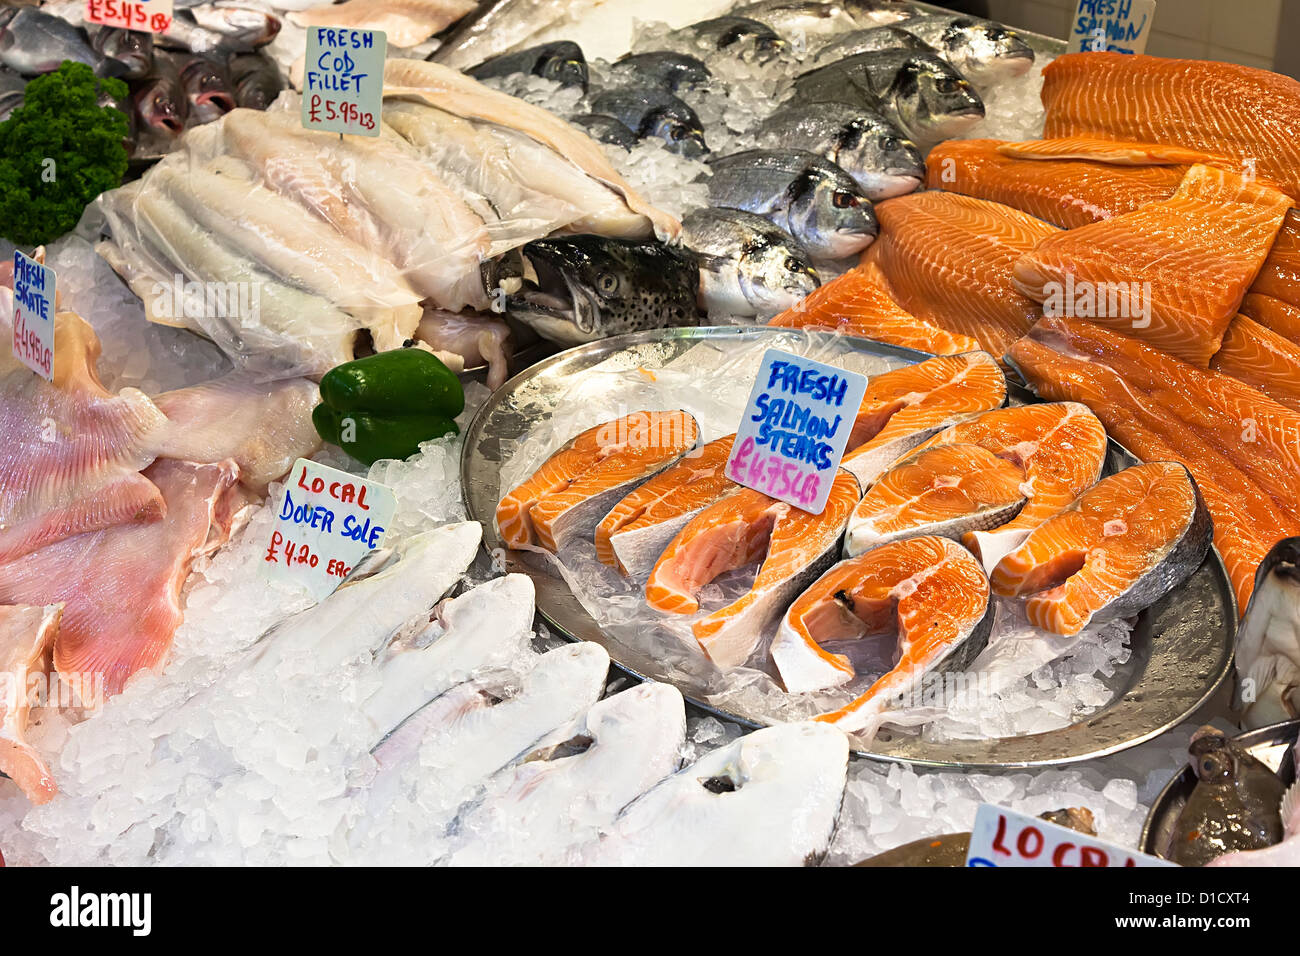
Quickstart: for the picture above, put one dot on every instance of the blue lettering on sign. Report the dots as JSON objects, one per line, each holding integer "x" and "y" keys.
{"x": 312, "y": 516}
{"x": 364, "y": 531}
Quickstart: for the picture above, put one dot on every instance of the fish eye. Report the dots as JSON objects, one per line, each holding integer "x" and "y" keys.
{"x": 678, "y": 134}
{"x": 844, "y": 200}
{"x": 889, "y": 143}
{"x": 946, "y": 84}
{"x": 794, "y": 265}
{"x": 607, "y": 282}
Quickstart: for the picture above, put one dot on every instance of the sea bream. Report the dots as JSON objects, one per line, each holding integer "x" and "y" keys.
{"x": 573, "y": 782}
{"x": 983, "y": 51}
{"x": 1268, "y": 640}
{"x": 606, "y": 129}
{"x": 220, "y": 28}
{"x": 812, "y": 199}
{"x": 561, "y": 62}
{"x": 736, "y": 35}
{"x": 871, "y": 40}
{"x": 748, "y": 266}
{"x": 654, "y": 111}
{"x": 799, "y": 18}
{"x": 769, "y": 798}
{"x": 34, "y": 42}
{"x": 667, "y": 68}
{"x": 862, "y": 142}
{"x": 577, "y": 289}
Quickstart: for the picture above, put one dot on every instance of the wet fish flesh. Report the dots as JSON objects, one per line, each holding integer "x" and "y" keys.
{"x": 1235, "y": 805}
{"x": 33, "y": 42}
{"x": 653, "y": 111}
{"x": 905, "y": 406}
{"x": 1268, "y": 640}
{"x": 748, "y": 266}
{"x": 813, "y": 200}
{"x": 584, "y": 288}
{"x": 864, "y": 144}
{"x": 577, "y": 485}
{"x": 1122, "y": 545}
{"x": 769, "y": 798}
{"x": 927, "y": 593}
{"x": 1255, "y": 354}
{"x": 860, "y": 303}
{"x": 473, "y": 340}
{"x": 27, "y": 637}
{"x": 946, "y": 490}
{"x": 985, "y": 52}
{"x": 561, "y": 62}
{"x": 407, "y": 23}
{"x": 1172, "y": 273}
{"x": 1280, "y": 277}
{"x": 948, "y": 260}
{"x": 638, "y": 529}
{"x": 743, "y": 528}
{"x": 667, "y": 68}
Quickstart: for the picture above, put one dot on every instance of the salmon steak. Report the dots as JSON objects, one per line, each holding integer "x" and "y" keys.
{"x": 948, "y": 260}
{"x": 946, "y": 490}
{"x": 26, "y": 647}
{"x": 1171, "y": 273}
{"x": 1061, "y": 448}
{"x": 577, "y": 485}
{"x": 1239, "y": 444}
{"x": 1222, "y": 108}
{"x": 1255, "y": 354}
{"x": 927, "y": 593}
{"x": 1126, "y": 542}
{"x": 1064, "y": 192}
{"x": 637, "y": 529}
{"x": 744, "y": 528}
{"x": 905, "y": 406}
{"x": 860, "y": 303}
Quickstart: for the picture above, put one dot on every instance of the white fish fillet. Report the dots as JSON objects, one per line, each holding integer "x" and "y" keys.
{"x": 406, "y": 23}
{"x": 574, "y": 781}
{"x": 769, "y": 798}
{"x": 452, "y": 91}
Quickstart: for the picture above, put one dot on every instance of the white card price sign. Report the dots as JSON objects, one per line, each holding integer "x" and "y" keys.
{"x": 796, "y": 424}
{"x": 33, "y": 318}
{"x": 325, "y": 523}
{"x": 343, "y": 80}
{"x": 1005, "y": 838}
{"x": 144, "y": 16}
{"x": 1120, "y": 26}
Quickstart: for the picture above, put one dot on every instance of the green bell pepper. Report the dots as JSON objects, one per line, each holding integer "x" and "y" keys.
{"x": 385, "y": 405}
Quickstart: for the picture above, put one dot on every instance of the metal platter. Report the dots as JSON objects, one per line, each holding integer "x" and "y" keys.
{"x": 1273, "y": 746}
{"x": 1181, "y": 645}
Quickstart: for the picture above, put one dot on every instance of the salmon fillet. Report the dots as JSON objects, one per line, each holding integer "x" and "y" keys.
{"x": 1197, "y": 253}
{"x": 1255, "y": 354}
{"x": 1127, "y": 541}
{"x": 1242, "y": 448}
{"x": 860, "y": 303}
{"x": 1114, "y": 153}
{"x": 1280, "y": 276}
{"x": 1230, "y": 110}
{"x": 948, "y": 260}
{"x": 1282, "y": 317}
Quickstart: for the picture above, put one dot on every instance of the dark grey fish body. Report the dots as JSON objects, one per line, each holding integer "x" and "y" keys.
{"x": 748, "y": 266}
{"x": 652, "y": 111}
{"x": 561, "y": 62}
{"x": 606, "y": 129}
{"x": 130, "y": 47}
{"x": 983, "y": 51}
{"x": 1268, "y": 640}
{"x": 812, "y": 199}
{"x": 735, "y": 35}
{"x": 665, "y": 68}
{"x": 33, "y": 42}
{"x": 255, "y": 80}
{"x": 871, "y": 40}
{"x": 159, "y": 99}
{"x": 1236, "y": 804}
{"x": 864, "y": 143}
{"x": 585, "y": 288}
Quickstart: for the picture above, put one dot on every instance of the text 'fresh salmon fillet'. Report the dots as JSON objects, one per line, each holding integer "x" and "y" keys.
{"x": 928, "y": 593}
{"x": 741, "y": 529}
{"x": 1171, "y": 273}
{"x": 1125, "y": 543}
{"x": 578, "y": 484}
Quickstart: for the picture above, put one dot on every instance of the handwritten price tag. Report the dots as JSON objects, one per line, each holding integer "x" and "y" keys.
{"x": 343, "y": 83}
{"x": 1005, "y": 838}
{"x": 143, "y": 16}
{"x": 33, "y": 318}
{"x": 1120, "y": 26}
{"x": 326, "y": 522}
{"x": 794, "y": 430}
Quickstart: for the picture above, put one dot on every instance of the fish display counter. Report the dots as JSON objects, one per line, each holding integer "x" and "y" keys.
{"x": 397, "y": 491}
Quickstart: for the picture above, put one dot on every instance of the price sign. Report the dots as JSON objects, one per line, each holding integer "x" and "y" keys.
{"x": 144, "y": 16}
{"x": 343, "y": 80}
{"x": 1005, "y": 838}
{"x": 325, "y": 523}
{"x": 794, "y": 429}
{"x": 33, "y": 318}
{"x": 1120, "y": 26}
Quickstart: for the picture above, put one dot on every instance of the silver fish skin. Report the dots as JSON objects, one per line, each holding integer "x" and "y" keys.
{"x": 983, "y": 51}
{"x": 871, "y": 40}
{"x": 1268, "y": 640}
{"x": 770, "y": 798}
{"x": 812, "y": 199}
{"x": 666, "y": 68}
{"x": 499, "y": 26}
{"x": 734, "y": 34}
{"x": 797, "y": 20}
{"x": 129, "y": 47}
{"x": 561, "y": 61}
{"x": 33, "y": 42}
{"x": 239, "y": 23}
{"x": 864, "y": 143}
{"x": 653, "y": 111}
{"x": 748, "y": 266}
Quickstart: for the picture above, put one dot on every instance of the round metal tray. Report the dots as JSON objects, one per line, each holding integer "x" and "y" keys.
{"x": 1273, "y": 746}
{"x": 1181, "y": 645}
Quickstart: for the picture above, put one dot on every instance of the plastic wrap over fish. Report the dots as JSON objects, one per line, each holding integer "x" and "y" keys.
{"x": 1025, "y": 681}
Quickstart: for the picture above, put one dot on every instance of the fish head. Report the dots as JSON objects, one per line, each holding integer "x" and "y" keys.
{"x": 204, "y": 84}
{"x": 563, "y": 63}
{"x": 985, "y": 51}
{"x": 161, "y": 104}
{"x": 830, "y": 213}
{"x": 129, "y": 47}
{"x": 775, "y": 273}
{"x": 933, "y": 101}
{"x": 680, "y": 129}
{"x": 581, "y": 288}
{"x": 891, "y": 157}
{"x": 1212, "y": 757}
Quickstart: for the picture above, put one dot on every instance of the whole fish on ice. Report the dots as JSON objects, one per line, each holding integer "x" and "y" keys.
{"x": 748, "y": 266}
{"x": 561, "y": 62}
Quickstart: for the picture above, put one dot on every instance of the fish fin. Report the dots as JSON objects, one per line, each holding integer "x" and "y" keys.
{"x": 1290, "y": 804}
